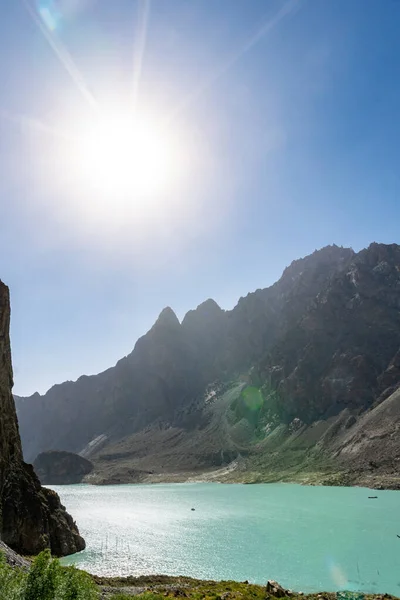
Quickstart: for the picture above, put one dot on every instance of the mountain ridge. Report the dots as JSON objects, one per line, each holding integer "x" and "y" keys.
{"x": 306, "y": 343}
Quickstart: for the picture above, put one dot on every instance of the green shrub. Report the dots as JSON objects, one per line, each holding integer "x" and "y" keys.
{"x": 46, "y": 580}
{"x": 12, "y": 581}
{"x": 42, "y": 579}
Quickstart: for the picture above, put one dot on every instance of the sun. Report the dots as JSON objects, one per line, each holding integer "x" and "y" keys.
{"x": 130, "y": 156}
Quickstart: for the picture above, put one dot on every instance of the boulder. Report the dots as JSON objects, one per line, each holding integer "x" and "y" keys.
{"x": 274, "y": 589}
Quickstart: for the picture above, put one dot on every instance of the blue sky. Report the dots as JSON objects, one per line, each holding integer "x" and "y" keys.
{"x": 288, "y": 117}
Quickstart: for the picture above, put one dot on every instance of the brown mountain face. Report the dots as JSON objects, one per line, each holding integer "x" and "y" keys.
{"x": 322, "y": 340}
{"x": 31, "y": 517}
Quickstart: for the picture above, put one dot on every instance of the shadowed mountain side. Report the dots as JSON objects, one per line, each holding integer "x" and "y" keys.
{"x": 337, "y": 354}
{"x": 172, "y": 365}
{"x": 320, "y": 345}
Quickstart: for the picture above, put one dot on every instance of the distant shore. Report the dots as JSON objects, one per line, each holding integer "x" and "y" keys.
{"x": 229, "y": 474}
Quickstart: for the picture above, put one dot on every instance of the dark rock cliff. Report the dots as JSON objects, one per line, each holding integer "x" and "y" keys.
{"x": 343, "y": 351}
{"x": 31, "y": 517}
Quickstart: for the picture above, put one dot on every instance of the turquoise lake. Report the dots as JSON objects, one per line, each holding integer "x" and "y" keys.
{"x": 306, "y": 538}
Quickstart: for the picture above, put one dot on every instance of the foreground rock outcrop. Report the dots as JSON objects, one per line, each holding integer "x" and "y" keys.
{"x": 61, "y": 468}
{"x": 31, "y": 517}
{"x": 14, "y": 559}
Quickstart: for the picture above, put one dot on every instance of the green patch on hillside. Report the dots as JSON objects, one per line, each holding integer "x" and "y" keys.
{"x": 256, "y": 409}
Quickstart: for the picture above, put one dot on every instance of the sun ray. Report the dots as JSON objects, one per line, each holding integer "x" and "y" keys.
{"x": 139, "y": 47}
{"x": 63, "y": 55}
{"x": 287, "y": 9}
{"x": 34, "y": 124}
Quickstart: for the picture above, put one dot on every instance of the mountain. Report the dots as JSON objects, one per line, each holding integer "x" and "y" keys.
{"x": 370, "y": 449}
{"x": 270, "y": 377}
{"x": 336, "y": 355}
{"x": 31, "y": 517}
{"x": 61, "y": 468}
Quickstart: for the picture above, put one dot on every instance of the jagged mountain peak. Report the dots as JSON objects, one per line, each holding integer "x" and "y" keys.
{"x": 324, "y": 336}
{"x": 208, "y": 306}
{"x": 377, "y": 253}
{"x": 332, "y": 255}
{"x": 167, "y": 318}
{"x": 208, "y": 309}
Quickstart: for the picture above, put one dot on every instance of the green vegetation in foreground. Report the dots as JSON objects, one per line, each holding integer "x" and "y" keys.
{"x": 48, "y": 580}
{"x": 45, "y": 580}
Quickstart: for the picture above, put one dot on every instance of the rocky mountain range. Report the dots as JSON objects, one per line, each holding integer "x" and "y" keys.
{"x": 256, "y": 389}
{"x": 31, "y": 517}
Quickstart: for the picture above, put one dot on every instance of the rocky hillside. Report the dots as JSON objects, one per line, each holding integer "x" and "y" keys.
{"x": 320, "y": 343}
{"x": 369, "y": 450}
{"x": 172, "y": 365}
{"x": 57, "y": 467}
{"x": 343, "y": 351}
{"x": 31, "y": 517}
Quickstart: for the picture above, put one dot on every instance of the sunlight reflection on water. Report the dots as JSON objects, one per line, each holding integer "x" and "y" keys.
{"x": 307, "y": 538}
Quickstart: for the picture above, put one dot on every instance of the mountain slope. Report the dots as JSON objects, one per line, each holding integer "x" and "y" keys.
{"x": 336, "y": 354}
{"x": 370, "y": 449}
{"x": 31, "y": 518}
{"x": 262, "y": 384}
{"x": 171, "y": 366}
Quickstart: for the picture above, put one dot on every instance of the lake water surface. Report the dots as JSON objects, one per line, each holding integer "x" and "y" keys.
{"x": 307, "y": 538}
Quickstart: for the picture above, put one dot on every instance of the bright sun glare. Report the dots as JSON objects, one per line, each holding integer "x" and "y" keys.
{"x": 122, "y": 155}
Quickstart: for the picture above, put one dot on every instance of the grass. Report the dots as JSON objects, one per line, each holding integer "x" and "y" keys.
{"x": 162, "y": 588}
{"x": 191, "y": 589}
{"x": 48, "y": 580}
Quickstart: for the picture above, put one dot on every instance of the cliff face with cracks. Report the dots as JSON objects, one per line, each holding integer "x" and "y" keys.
{"x": 31, "y": 517}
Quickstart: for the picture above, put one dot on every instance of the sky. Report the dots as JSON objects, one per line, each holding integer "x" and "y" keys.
{"x": 281, "y": 120}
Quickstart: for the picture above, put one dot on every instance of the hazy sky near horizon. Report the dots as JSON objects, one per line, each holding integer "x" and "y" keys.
{"x": 286, "y": 118}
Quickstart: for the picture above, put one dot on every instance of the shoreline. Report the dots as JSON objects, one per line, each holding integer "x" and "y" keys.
{"x": 181, "y": 586}
{"x": 173, "y": 586}
{"x": 232, "y": 475}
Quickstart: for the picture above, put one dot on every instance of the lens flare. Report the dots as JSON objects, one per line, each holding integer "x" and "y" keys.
{"x": 252, "y": 397}
{"x": 49, "y": 14}
{"x": 337, "y": 574}
{"x": 54, "y": 13}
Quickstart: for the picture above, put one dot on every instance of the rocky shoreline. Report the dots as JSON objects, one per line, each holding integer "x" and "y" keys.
{"x": 159, "y": 587}
{"x": 355, "y": 478}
